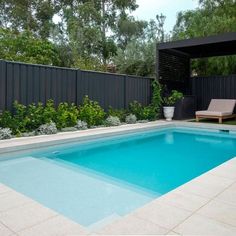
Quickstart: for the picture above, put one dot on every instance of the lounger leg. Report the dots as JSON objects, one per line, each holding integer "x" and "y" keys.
{"x": 220, "y": 120}
{"x": 197, "y": 119}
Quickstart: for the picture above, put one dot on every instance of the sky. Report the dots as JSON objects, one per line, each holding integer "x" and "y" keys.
{"x": 148, "y": 9}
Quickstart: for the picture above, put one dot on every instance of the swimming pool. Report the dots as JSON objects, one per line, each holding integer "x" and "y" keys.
{"x": 97, "y": 181}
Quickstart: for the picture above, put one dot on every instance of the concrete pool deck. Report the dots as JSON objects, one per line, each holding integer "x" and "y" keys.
{"x": 204, "y": 206}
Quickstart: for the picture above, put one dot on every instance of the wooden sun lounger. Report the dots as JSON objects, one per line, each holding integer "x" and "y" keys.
{"x": 218, "y": 109}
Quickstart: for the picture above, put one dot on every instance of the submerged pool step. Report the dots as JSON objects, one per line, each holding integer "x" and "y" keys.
{"x": 105, "y": 221}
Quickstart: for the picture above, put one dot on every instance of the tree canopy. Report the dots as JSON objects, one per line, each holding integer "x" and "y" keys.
{"x": 91, "y": 34}
{"x": 211, "y": 18}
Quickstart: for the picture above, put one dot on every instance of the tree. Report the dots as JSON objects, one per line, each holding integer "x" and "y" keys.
{"x": 138, "y": 57}
{"x": 91, "y": 25}
{"x": 34, "y": 16}
{"x": 212, "y": 17}
{"x": 24, "y": 47}
{"x": 128, "y": 29}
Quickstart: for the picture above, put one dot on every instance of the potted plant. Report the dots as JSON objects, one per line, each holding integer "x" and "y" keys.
{"x": 169, "y": 104}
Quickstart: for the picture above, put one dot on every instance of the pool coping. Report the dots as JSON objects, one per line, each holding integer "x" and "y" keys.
{"x": 207, "y": 201}
{"x": 18, "y": 144}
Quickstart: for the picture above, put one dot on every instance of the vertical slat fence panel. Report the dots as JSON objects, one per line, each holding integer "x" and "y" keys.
{"x": 29, "y": 83}
{"x": 207, "y": 88}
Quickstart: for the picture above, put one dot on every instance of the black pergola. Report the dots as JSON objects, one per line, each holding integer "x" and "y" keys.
{"x": 173, "y": 58}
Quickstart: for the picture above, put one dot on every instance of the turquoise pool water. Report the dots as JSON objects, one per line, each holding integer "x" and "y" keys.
{"x": 97, "y": 181}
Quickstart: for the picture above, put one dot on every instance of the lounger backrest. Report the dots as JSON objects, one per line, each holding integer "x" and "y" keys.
{"x": 222, "y": 105}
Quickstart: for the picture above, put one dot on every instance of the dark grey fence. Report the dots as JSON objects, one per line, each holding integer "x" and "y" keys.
{"x": 28, "y": 83}
{"x": 206, "y": 88}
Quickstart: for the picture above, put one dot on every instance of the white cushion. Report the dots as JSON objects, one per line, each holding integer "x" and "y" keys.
{"x": 222, "y": 105}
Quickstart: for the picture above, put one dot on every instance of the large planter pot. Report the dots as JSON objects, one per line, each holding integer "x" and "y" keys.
{"x": 185, "y": 108}
{"x": 169, "y": 113}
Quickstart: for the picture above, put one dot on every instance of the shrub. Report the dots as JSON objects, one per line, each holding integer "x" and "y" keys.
{"x": 49, "y": 128}
{"x": 49, "y": 112}
{"x": 149, "y": 113}
{"x": 156, "y": 97}
{"x": 7, "y": 121}
{"x": 120, "y": 113}
{"x": 173, "y": 98}
{"x": 137, "y": 109}
{"x": 141, "y": 112}
{"x": 91, "y": 112}
{"x": 131, "y": 119}
{"x": 81, "y": 125}
{"x": 112, "y": 121}
{"x": 5, "y": 133}
{"x": 26, "y": 119}
{"x": 19, "y": 118}
{"x": 34, "y": 116}
{"x": 66, "y": 115}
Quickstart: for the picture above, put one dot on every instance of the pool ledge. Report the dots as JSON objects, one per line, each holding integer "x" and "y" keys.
{"x": 18, "y": 144}
{"x": 204, "y": 206}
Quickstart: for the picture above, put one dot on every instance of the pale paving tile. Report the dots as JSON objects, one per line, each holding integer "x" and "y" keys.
{"x": 25, "y": 216}
{"x": 206, "y": 185}
{"x": 229, "y": 195}
{"x": 183, "y": 200}
{"x": 200, "y": 225}
{"x": 4, "y": 188}
{"x": 172, "y": 233}
{"x": 56, "y": 226}
{"x": 220, "y": 211}
{"x": 226, "y": 170}
{"x": 131, "y": 225}
{"x": 162, "y": 214}
{"x": 4, "y": 231}
{"x": 12, "y": 199}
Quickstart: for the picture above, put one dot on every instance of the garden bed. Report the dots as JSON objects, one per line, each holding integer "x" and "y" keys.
{"x": 46, "y": 119}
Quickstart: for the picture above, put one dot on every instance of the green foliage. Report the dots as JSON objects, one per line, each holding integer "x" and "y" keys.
{"x": 49, "y": 112}
{"x": 120, "y": 113}
{"x": 5, "y": 133}
{"x": 137, "y": 109}
{"x": 87, "y": 23}
{"x": 88, "y": 64}
{"x": 173, "y": 98}
{"x": 66, "y": 115}
{"x": 24, "y": 47}
{"x": 112, "y": 121}
{"x": 142, "y": 112}
{"x": 20, "y": 118}
{"x": 34, "y": 116}
{"x": 137, "y": 55}
{"x": 91, "y": 112}
{"x": 89, "y": 34}
{"x": 211, "y": 18}
{"x": 6, "y": 120}
{"x": 26, "y": 119}
{"x": 47, "y": 129}
{"x": 33, "y": 15}
{"x": 137, "y": 59}
{"x": 131, "y": 119}
{"x": 156, "y": 97}
{"x": 81, "y": 125}
{"x": 152, "y": 111}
